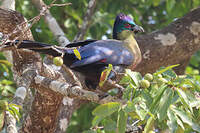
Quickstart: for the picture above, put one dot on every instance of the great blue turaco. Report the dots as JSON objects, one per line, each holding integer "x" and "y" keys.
{"x": 122, "y": 51}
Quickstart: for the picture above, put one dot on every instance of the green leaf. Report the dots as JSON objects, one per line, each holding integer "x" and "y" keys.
{"x": 157, "y": 98}
{"x": 5, "y": 62}
{"x": 3, "y": 105}
{"x": 180, "y": 123}
{"x": 196, "y": 3}
{"x": 169, "y": 73}
{"x": 149, "y": 126}
{"x": 96, "y": 120}
{"x": 165, "y": 69}
{"x": 6, "y": 82}
{"x": 125, "y": 80}
{"x": 141, "y": 110}
{"x": 164, "y": 104}
{"x": 11, "y": 112}
{"x": 147, "y": 96}
{"x": 133, "y": 115}
{"x": 2, "y": 116}
{"x": 195, "y": 104}
{"x": 5, "y": 68}
{"x": 15, "y": 105}
{"x": 135, "y": 76}
{"x": 130, "y": 107}
{"x": 184, "y": 99}
{"x": 121, "y": 121}
{"x": 156, "y": 2}
{"x": 172, "y": 122}
{"x": 170, "y": 4}
{"x": 16, "y": 112}
{"x": 106, "y": 109}
{"x": 15, "y": 109}
{"x": 9, "y": 89}
{"x": 129, "y": 92}
{"x": 186, "y": 119}
{"x": 109, "y": 125}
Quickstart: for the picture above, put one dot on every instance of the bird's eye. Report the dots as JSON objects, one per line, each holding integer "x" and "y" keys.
{"x": 127, "y": 25}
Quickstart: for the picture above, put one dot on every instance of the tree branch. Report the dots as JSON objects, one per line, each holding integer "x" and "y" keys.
{"x": 86, "y": 21}
{"x": 52, "y": 23}
{"x": 8, "y": 4}
{"x": 65, "y": 88}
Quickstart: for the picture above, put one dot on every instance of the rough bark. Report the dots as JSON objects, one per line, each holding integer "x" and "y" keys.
{"x": 25, "y": 64}
{"x": 172, "y": 45}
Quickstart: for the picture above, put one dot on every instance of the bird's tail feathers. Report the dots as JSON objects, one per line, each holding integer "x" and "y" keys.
{"x": 38, "y": 47}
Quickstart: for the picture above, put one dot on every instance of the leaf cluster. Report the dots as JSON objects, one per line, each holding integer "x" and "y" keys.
{"x": 171, "y": 102}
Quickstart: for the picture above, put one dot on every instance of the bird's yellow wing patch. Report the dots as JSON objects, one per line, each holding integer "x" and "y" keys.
{"x": 76, "y": 52}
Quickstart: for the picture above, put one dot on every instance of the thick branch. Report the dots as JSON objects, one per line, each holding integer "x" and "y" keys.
{"x": 174, "y": 44}
{"x": 66, "y": 89}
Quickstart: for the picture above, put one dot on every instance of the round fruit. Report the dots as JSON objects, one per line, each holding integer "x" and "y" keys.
{"x": 144, "y": 83}
{"x": 58, "y": 61}
{"x": 148, "y": 77}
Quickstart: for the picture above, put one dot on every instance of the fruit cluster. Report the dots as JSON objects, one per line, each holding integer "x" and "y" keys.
{"x": 149, "y": 78}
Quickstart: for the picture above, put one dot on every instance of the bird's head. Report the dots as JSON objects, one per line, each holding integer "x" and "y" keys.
{"x": 125, "y": 23}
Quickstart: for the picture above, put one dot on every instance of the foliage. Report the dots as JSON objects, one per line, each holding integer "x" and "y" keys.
{"x": 81, "y": 118}
{"x": 173, "y": 104}
{"x": 7, "y": 91}
{"x": 13, "y": 109}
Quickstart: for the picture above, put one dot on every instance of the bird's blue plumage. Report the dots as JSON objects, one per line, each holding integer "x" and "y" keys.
{"x": 111, "y": 51}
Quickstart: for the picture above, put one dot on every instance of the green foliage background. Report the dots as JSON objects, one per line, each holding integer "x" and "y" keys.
{"x": 151, "y": 14}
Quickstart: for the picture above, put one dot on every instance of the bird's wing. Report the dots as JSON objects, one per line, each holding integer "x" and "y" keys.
{"x": 80, "y": 43}
{"x": 103, "y": 52}
{"x": 88, "y": 56}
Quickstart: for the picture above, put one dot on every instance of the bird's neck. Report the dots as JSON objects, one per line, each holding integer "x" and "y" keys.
{"x": 129, "y": 41}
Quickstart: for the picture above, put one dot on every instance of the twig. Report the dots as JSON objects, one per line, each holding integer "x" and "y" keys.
{"x": 51, "y": 21}
{"x": 86, "y": 20}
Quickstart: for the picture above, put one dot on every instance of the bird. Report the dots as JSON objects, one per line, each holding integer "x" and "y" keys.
{"x": 122, "y": 51}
